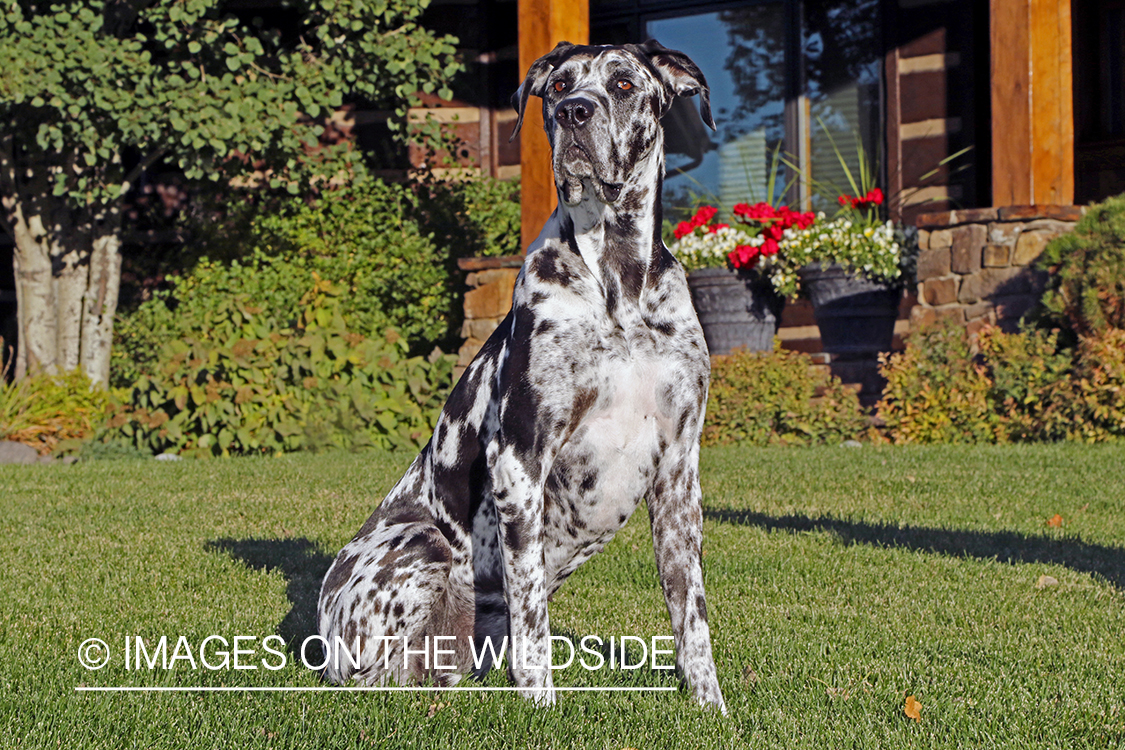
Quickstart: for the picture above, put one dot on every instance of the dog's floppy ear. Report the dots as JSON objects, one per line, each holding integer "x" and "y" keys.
{"x": 536, "y": 82}
{"x": 681, "y": 75}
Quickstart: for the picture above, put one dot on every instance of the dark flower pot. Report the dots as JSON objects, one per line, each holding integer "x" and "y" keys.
{"x": 855, "y": 315}
{"x": 736, "y": 309}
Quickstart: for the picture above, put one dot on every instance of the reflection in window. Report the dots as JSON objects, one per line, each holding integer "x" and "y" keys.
{"x": 742, "y": 54}
{"x": 841, "y": 66}
{"x": 781, "y": 73}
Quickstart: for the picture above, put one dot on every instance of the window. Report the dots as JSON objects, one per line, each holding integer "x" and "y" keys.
{"x": 799, "y": 77}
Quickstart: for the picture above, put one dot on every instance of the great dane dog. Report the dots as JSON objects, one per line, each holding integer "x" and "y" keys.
{"x": 588, "y": 398}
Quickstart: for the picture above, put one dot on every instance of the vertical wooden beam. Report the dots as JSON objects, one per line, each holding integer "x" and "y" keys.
{"x": 542, "y": 24}
{"x": 893, "y": 127}
{"x": 1052, "y": 103}
{"x": 1032, "y": 103}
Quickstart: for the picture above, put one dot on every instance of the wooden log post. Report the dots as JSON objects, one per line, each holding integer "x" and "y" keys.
{"x": 1032, "y": 103}
{"x": 542, "y": 24}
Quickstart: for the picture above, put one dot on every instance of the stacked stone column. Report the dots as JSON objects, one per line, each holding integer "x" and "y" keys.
{"x": 489, "y": 298}
{"x": 976, "y": 266}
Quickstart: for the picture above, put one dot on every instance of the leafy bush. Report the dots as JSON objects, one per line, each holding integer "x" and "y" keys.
{"x": 479, "y": 217}
{"x": 935, "y": 392}
{"x": 1029, "y": 384}
{"x": 1087, "y": 287}
{"x": 1099, "y": 386}
{"x": 776, "y": 398}
{"x": 253, "y": 384}
{"x": 1018, "y": 387}
{"x": 44, "y": 410}
{"x": 392, "y": 249}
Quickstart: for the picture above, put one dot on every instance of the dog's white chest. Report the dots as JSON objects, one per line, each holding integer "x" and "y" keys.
{"x": 624, "y": 422}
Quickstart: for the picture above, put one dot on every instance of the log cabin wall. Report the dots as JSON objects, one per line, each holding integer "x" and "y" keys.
{"x": 937, "y": 104}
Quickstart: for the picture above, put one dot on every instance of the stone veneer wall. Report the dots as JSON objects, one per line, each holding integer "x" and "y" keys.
{"x": 490, "y": 282}
{"x": 975, "y": 265}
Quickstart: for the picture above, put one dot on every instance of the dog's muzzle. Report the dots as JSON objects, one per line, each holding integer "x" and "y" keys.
{"x": 574, "y": 160}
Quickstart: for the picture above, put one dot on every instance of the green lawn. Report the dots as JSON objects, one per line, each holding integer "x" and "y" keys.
{"x": 839, "y": 581}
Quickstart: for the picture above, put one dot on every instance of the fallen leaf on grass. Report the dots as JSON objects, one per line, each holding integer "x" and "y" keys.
{"x": 1045, "y": 581}
{"x": 913, "y": 708}
{"x": 1055, "y": 521}
{"x": 749, "y": 676}
{"x": 434, "y": 708}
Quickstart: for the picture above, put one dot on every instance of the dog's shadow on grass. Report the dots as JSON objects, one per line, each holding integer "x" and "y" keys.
{"x": 303, "y": 565}
{"x": 1005, "y": 546}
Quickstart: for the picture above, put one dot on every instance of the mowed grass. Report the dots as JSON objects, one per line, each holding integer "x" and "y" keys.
{"x": 839, "y": 581}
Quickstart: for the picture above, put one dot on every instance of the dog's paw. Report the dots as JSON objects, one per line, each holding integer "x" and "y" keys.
{"x": 710, "y": 696}
{"x": 540, "y": 696}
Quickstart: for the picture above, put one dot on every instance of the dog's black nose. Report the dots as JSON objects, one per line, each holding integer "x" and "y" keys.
{"x": 574, "y": 112}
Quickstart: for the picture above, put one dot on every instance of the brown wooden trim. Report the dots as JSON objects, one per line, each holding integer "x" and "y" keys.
{"x": 484, "y": 264}
{"x": 1011, "y": 116}
{"x": 1032, "y": 102}
{"x": 894, "y": 136}
{"x": 542, "y": 24}
{"x": 1052, "y": 115}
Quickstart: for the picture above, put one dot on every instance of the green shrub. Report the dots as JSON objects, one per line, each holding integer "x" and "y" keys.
{"x": 1099, "y": 386}
{"x": 1086, "y": 289}
{"x": 1018, "y": 387}
{"x": 479, "y": 217}
{"x": 44, "y": 410}
{"x": 776, "y": 398}
{"x": 935, "y": 392}
{"x": 255, "y": 385}
{"x": 1029, "y": 384}
{"x": 391, "y": 249}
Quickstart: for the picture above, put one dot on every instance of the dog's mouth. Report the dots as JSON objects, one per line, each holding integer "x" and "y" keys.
{"x": 575, "y": 171}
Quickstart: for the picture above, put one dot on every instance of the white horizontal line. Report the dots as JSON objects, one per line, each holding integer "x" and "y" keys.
{"x": 357, "y": 689}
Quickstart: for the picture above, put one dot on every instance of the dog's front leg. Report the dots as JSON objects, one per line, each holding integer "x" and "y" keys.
{"x": 520, "y": 451}
{"x": 676, "y": 513}
{"x": 519, "y": 510}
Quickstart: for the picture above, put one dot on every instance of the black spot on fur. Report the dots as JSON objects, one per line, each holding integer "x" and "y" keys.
{"x": 514, "y": 534}
{"x": 546, "y": 266}
{"x": 340, "y": 573}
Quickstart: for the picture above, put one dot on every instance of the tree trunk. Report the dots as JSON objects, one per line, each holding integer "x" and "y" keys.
{"x": 67, "y": 282}
{"x": 35, "y": 295}
{"x": 100, "y": 304}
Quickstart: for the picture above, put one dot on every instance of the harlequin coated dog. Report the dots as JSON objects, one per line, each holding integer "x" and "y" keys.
{"x": 588, "y": 398}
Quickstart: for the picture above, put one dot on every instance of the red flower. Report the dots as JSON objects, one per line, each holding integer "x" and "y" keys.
{"x": 682, "y": 229}
{"x": 744, "y": 256}
{"x": 716, "y": 227}
{"x": 704, "y": 215}
{"x": 874, "y": 197}
{"x": 758, "y": 212}
{"x": 769, "y": 247}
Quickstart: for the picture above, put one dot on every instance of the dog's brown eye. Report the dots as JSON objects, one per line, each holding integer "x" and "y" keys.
{"x": 624, "y": 85}
{"x": 560, "y": 85}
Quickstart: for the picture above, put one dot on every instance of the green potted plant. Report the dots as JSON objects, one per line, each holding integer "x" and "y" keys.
{"x": 730, "y": 273}
{"x": 852, "y": 268}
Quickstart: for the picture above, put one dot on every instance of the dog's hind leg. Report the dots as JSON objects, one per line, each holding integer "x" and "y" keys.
{"x": 388, "y": 591}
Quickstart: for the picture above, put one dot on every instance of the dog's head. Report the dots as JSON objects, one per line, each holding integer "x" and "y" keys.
{"x": 602, "y": 108}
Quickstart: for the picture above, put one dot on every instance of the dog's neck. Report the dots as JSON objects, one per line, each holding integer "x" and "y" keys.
{"x": 621, "y": 242}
